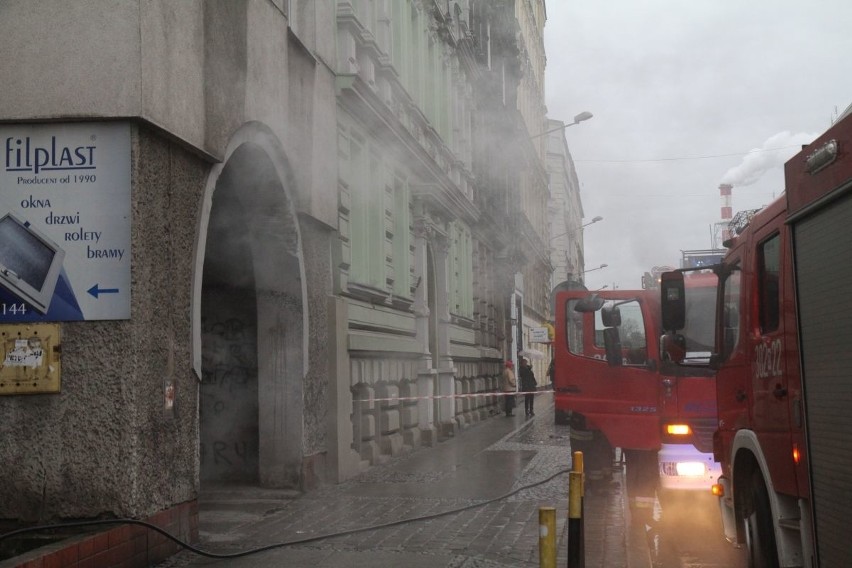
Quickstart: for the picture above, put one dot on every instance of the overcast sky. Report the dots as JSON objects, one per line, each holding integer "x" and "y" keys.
{"x": 681, "y": 91}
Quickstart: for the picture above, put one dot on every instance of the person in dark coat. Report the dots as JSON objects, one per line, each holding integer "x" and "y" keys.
{"x": 528, "y": 386}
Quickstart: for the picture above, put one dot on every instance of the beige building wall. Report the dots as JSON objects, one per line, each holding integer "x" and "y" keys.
{"x": 228, "y": 102}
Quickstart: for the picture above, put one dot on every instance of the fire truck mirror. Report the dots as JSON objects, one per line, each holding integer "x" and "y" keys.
{"x": 589, "y": 304}
{"x": 612, "y": 346}
{"x": 673, "y": 301}
{"x": 673, "y": 347}
{"x": 611, "y": 316}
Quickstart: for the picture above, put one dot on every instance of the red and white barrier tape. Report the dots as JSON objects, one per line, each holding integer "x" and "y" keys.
{"x": 433, "y": 397}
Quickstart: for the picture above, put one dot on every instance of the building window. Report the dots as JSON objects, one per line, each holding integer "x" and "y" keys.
{"x": 461, "y": 271}
{"x": 375, "y": 215}
{"x": 400, "y": 238}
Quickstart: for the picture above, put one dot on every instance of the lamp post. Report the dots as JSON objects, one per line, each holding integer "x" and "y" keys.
{"x": 580, "y": 228}
{"x": 585, "y": 115}
{"x": 596, "y": 268}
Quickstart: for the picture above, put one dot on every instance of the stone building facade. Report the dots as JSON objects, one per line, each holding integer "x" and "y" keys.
{"x": 533, "y": 223}
{"x": 428, "y": 134}
{"x": 326, "y": 205}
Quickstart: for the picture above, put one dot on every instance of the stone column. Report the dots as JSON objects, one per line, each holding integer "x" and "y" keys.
{"x": 344, "y": 462}
{"x": 446, "y": 370}
{"x": 365, "y": 424}
{"x": 425, "y": 373}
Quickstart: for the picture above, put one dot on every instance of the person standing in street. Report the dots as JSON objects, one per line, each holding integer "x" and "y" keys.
{"x": 528, "y": 386}
{"x": 510, "y": 385}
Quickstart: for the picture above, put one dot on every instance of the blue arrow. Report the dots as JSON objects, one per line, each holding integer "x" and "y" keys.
{"x": 94, "y": 290}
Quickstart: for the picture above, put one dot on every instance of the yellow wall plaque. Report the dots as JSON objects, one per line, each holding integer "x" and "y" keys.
{"x": 30, "y": 358}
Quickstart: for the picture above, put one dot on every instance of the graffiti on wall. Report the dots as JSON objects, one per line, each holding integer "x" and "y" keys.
{"x": 229, "y": 390}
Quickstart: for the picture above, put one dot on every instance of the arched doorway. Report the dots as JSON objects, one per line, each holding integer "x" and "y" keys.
{"x": 229, "y": 388}
{"x": 250, "y": 320}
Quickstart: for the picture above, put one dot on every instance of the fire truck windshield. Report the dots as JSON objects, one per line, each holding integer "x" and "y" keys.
{"x": 700, "y": 318}
{"x": 629, "y": 329}
{"x": 632, "y": 327}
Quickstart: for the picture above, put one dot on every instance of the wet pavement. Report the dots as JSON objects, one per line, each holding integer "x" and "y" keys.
{"x": 688, "y": 533}
{"x": 470, "y": 501}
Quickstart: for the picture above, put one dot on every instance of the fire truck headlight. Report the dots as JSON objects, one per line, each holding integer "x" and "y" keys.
{"x": 690, "y": 469}
{"x": 678, "y": 429}
{"x": 683, "y": 469}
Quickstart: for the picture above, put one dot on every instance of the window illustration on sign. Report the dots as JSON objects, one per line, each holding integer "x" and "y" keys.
{"x": 29, "y": 264}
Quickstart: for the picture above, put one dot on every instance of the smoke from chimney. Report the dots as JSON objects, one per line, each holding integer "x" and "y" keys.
{"x": 773, "y": 153}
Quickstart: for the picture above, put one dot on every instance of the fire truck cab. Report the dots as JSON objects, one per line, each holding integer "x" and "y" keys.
{"x": 612, "y": 388}
{"x": 782, "y": 358}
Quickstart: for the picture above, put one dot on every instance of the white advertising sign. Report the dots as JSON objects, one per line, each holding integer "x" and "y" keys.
{"x": 539, "y": 335}
{"x": 64, "y": 222}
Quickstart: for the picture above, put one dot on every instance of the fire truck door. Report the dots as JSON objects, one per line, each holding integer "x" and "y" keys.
{"x": 771, "y": 410}
{"x": 619, "y": 397}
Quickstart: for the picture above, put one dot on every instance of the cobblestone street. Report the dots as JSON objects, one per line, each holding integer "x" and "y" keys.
{"x": 501, "y": 456}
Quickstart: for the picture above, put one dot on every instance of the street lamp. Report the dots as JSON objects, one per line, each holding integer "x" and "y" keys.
{"x": 594, "y": 220}
{"x": 585, "y": 115}
{"x": 596, "y": 268}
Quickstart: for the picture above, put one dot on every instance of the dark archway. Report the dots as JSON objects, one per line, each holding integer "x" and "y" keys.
{"x": 251, "y": 321}
{"x": 229, "y": 388}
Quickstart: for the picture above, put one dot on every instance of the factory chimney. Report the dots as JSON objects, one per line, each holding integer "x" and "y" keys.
{"x": 727, "y": 210}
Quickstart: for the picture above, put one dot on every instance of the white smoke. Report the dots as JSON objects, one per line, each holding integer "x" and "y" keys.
{"x": 773, "y": 153}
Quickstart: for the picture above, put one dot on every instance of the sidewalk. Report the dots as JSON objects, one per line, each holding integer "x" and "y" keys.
{"x": 485, "y": 461}
{"x": 490, "y": 480}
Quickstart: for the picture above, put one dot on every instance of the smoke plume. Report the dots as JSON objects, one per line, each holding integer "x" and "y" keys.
{"x": 773, "y": 153}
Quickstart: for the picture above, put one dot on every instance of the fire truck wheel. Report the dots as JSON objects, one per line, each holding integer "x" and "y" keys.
{"x": 760, "y": 536}
{"x": 561, "y": 417}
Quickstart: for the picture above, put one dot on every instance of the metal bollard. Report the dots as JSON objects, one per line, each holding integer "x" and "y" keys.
{"x": 577, "y": 462}
{"x": 580, "y": 467}
{"x": 576, "y": 533}
{"x": 547, "y": 537}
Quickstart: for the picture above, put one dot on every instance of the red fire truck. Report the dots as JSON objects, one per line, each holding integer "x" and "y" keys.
{"x": 612, "y": 388}
{"x": 782, "y": 358}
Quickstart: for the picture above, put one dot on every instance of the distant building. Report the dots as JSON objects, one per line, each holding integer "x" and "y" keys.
{"x": 565, "y": 209}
